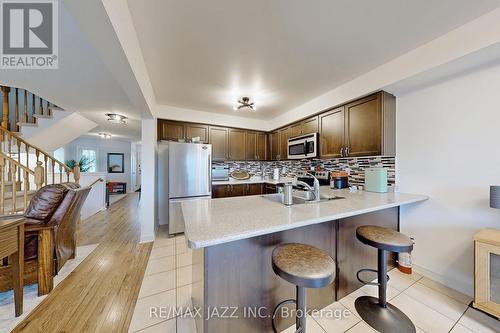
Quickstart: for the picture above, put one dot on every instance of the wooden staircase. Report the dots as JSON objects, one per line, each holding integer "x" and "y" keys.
{"x": 24, "y": 167}
{"x": 21, "y": 108}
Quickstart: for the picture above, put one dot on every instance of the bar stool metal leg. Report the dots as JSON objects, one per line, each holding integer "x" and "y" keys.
{"x": 378, "y": 313}
{"x": 300, "y": 309}
{"x": 382, "y": 278}
{"x": 300, "y": 321}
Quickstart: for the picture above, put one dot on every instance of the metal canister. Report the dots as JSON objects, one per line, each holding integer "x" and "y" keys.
{"x": 288, "y": 194}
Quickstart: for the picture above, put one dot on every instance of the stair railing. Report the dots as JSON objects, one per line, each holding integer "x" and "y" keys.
{"x": 26, "y": 107}
{"x": 22, "y": 151}
{"x": 16, "y": 200}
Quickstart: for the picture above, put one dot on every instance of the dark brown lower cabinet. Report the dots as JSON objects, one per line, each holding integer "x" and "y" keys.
{"x": 254, "y": 189}
{"x": 238, "y": 190}
{"x": 269, "y": 188}
{"x": 227, "y": 191}
{"x": 219, "y": 191}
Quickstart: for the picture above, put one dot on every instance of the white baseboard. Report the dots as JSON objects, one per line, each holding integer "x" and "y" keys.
{"x": 147, "y": 238}
{"x": 464, "y": 289}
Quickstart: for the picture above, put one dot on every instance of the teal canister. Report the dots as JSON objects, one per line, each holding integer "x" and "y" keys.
{"x": 376, "y": 180}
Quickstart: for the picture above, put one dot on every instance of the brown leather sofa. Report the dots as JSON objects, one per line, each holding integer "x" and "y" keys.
{"x": 50, "y": 234}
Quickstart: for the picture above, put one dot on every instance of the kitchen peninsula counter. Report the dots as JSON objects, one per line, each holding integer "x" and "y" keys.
{"x": 233, "y": 239}
{"x": 215, "y": 221}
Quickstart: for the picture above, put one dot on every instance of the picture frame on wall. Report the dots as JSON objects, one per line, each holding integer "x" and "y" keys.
{"x": 116, "y": 163}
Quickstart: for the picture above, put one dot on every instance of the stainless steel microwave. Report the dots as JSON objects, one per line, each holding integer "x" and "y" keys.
{"x": 304, "y": 146}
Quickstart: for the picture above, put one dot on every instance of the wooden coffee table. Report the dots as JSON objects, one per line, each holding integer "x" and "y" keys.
{"x": 12, "y": 245}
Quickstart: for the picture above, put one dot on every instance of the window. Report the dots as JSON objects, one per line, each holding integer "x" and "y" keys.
{"x": 90, "y": 155}
{"x": 59, "y": 155}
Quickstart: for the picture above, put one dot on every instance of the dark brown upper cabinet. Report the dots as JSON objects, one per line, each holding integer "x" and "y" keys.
{"x": 371, "y": 126}
{"x": 174, "y": 130}
{"x": 251, "y": 146}
{"x": 284, "y": 135}
{"x": 237, "y": 144}
{"x": 310, "y": 125}
{"x": 170, "y": 130}
{"x": 365, "y": 127}
{"x": 274, "y": 151}
{"x": 295, "y": 130}
{"x": 256, "y": 146}
{"x": 332, "y": 133}
{"x": 196, "y": 130}
{"x": 219, "y": 137}
{"x": 261, "y": 147}
{"x": 304, "y": 127}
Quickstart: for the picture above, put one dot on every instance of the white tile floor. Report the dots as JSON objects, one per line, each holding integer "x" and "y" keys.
{"x": 432, "y": 307}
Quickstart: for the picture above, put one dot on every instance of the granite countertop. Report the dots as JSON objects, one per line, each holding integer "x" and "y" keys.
{"x": 253, "y": 180}
{"x": 216, "y": 221}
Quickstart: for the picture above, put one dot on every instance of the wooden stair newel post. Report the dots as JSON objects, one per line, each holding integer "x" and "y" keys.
{"x": 76, "y": 174}
{"x": 39, "y": 175}
{"x": 5, "y": 108}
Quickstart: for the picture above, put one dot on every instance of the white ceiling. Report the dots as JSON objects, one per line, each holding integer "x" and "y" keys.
{"x": 203, "y": 55}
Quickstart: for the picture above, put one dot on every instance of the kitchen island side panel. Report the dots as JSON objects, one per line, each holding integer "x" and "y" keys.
{"x": 239, "y": 274}
{"x": 352, "y": 255}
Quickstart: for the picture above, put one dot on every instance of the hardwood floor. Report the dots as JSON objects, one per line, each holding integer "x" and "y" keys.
{"x": 100, "y": 294}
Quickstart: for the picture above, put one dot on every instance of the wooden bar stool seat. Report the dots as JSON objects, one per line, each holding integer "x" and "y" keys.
{"x": 306, "y": 267}
{"x": 377, "y": 312}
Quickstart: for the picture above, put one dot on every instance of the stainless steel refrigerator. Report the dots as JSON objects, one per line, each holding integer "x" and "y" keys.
{"x": 184, "y": 173}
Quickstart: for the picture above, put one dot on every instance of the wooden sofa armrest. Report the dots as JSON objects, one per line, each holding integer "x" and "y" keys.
{"x": 37, "y": 227}
{"x": 10, "y": 216}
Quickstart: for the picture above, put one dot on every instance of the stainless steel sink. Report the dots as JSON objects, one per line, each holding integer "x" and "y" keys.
{"x": 298, "y": 199}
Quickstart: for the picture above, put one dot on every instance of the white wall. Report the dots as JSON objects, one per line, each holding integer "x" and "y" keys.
{"x": 96, "y": 200}
{"x": 135, "y": 166}
{"x": 448, "y": 138}
{"x": 103, "y": 147}
{"x": 148, "y": 209}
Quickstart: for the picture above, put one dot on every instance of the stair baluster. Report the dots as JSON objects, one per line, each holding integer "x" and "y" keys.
{"x": 19, "y": 161}
{"x": 26, "y": 147}
{"x": 25, "y": 107}
{"x": 16, "y": 118}
{"x": 39, "y": 175}
{"x": 46, "y": 167}
{"x": 2, "y": 186}
{"x": 13, "y": 187}
{"x": 41, "y": 107}
{"x": 26, "y": 188}
{"x": 5, "y": 107}
{"x": 53, "y": 172}
{"x": 33, "y": 107}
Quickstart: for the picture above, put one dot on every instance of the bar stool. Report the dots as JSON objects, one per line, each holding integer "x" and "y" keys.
{"x": 306, "y": 267}
{"x": 378, "y": 313}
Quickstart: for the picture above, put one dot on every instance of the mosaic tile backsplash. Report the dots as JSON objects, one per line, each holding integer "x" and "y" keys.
{"x": 354, "y": 165}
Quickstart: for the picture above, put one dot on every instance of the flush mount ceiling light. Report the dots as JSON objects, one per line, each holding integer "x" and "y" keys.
{"x": 244, "y": 103}
{"x": 116, "y": 118}
{"x": 105, "y": 135}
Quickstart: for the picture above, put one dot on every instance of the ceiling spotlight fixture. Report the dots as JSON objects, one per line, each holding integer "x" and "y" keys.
{"x": 105, "y": 135}
{"x": 116, "y": 118}
{"x": 244, "y": 103}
